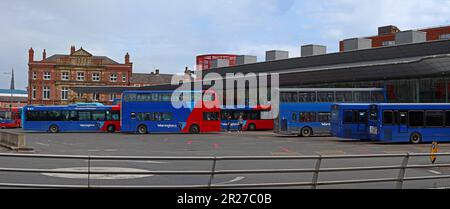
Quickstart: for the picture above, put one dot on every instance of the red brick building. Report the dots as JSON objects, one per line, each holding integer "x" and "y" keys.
{"x": 386, "y": 35}
{"x": 50, "y": 79}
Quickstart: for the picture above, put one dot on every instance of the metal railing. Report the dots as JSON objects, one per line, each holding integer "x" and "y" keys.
{"x": 213, "y": 172}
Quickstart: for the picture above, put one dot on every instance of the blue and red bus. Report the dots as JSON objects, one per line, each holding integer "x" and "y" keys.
{"x": 255, "y": 119}
{"x": 146, "y": 112}
{"x": 414, "y": 123}
{"x": 10, "y": 117}
{"x": 350, "y": 121}
{"x": 71, "y": 118}
{"x": 307, "y": 111}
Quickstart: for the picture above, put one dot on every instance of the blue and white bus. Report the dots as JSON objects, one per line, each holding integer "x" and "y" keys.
{"x": 307, "y": 111}
{"x": 71, "y": 118}
{"x": 350, "y": 121}
{"x": 414, "y": 123}
{"x": 146, "y": 112}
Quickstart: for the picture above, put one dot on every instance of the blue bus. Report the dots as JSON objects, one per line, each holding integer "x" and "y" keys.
{"x": 414, "y": 123}
{"x": 71, "y": 118}
{"x": 146, "y": 112}
{"x": 350, "y": 121}
{"x": 307, "y": 111}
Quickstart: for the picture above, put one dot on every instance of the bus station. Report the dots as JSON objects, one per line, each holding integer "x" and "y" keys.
{"x": 373, "y": 115}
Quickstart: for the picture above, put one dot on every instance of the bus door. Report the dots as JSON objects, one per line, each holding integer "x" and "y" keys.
{"x": 362, "y": 121}
{"x": 402, "y": 121}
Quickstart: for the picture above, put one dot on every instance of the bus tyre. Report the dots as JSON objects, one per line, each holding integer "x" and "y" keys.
{"x": 194, "y": 129}
{"x": 416, "y": 138}
{"x": 111, "y": 129}
{"x": 142, "y": 129}
{"x": 252, "y": 127}
{"x": 306, "y": 132}
{"x": 53, "y": 129}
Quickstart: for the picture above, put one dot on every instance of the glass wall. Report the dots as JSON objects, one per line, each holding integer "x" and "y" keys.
{"x": 426, "y": 90}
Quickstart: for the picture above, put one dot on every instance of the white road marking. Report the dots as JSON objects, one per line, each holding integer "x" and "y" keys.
{"x": 97, "y": 176}
{"x": 435, "y": 172}
{"x": 47, "y": 145}
{"x": 110, "y": 150}
{"x": 239, "y": 178}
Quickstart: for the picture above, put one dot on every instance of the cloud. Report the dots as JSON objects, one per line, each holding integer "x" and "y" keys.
{"x": 169, "y": 34}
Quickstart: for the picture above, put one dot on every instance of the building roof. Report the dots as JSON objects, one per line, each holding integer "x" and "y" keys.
{"x": 82, "y": 53}
{"x": 151, "y": 79}
{"x": 428, "y": 59}
{"x": 8, "y": 91}
{"x": 380, "y": 54}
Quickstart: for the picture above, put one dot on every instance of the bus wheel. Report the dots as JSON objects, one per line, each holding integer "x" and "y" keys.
{"x": 415, "y": 138}
{"x": 194, "y": 129}
{"x": 306, "y": 132}
{"x": 142, "y": 129}
{"x": 111, "y": 129}
{"x": 252, "y": 127}
{"x": 53, "y": 129}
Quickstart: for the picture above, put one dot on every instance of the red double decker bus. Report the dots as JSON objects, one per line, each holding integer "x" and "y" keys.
{"x": 255, "y": 118}
{"x": 10, "y": 117}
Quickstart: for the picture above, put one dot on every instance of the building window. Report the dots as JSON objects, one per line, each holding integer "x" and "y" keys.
{"x": 64, "y": 93}
{"x": 96, "y": 97}
{"x": 65, "y": 76}
{"x": 388, "y": 43}
{"x": 124, "y": 77}
{"x": 112, "y": 97}
{"x": 33, "y": 92}
{"x": 47, "y": 76}
{"x": 80, "y": 76}
{"x": 46, "y": 93}
{"x": 444, "y": 36}
{"x": 79, "y": 95}
{"x": 95, "y": 76}
{"x": 34, "y": 75}
{"x": 113, "y": 77}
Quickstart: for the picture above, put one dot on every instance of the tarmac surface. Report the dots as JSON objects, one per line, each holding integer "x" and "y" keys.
{"x": 218, "y": 145}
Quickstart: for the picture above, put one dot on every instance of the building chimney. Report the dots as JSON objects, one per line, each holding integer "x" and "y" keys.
{"x": 127, "y": 58}
{"x": 44, "y": 55}
{"x": 31, "y": 55}
{"x": 72, "y": 49}
{"x": 312, "y": 50}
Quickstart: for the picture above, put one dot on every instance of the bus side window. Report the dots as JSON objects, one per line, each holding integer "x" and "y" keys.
{"x": 348, "y": 116}
{"x": 294, "y": 117}
{"x": 416, "y": 118}
{"x": 133, "y": 116}
{"x": 447, "y": 118}
{"x": 388, "y": 118}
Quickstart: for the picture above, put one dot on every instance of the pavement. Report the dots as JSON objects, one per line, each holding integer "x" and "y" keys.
{"x": 218, "y": 144}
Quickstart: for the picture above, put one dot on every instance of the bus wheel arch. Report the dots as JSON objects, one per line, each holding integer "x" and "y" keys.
{"x": 142, "y": 129}
{"x": 415, "y": 138}
{"x": 194, "y": 129}
{"x": 111, "y": 128}
{"x": 53, "y": 128}
{"x": 306, "y": 131}
{"x": 251, "y": 127}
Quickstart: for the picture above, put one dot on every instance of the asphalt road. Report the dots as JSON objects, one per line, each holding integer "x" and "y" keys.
{"x": 222, "y": 144}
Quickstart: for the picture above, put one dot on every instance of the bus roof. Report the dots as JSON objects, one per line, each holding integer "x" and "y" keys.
{"x": 328, "y": 89}
{"x": 409, "y": 104}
